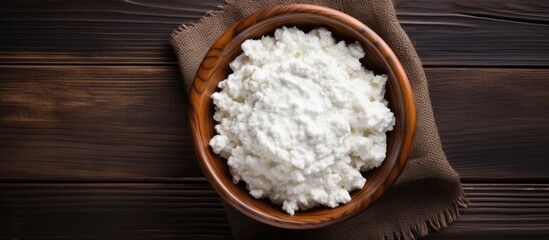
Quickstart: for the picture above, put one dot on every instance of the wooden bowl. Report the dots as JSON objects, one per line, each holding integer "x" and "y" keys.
{"x": 379, "y": 58}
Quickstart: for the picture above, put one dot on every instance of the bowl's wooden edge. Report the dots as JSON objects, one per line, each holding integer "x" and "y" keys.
{"x": 200, "y": 82}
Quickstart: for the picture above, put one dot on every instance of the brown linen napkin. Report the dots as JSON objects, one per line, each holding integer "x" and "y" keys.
{"x": 428, "y": 192}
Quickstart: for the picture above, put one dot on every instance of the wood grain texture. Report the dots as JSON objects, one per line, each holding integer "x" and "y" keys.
{"x": 448, "y": 32}
{"x": 74, "y": 123}
{"x": 124, "y": 123}
{"x": 501, "y": 211}
{"x": 111, "y": 211}
{"x": 89, "y": 31}
{"x": 192, "y": 210}
{"x": 101, "y": 124}
{"x": 478, "y": 33}
{"x": 215, "y": 68}
{"x": 494, "y": 123}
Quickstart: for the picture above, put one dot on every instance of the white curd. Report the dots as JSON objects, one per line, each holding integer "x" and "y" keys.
{"x": 300, "y": 117}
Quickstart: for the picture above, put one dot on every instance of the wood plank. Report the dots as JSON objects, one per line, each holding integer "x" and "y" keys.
{"x": 130, "y": 123}
{"x": 494, "y": 123}
{"x": 478, "y": 33}
{"x": 88, "y": 32}
{"x": 448, "y": 32}
{"x": 71, "y": 123}
{"x": 501, "y": 211}
{"x": 111, "y": 211}
{"x": 192, "y": 210}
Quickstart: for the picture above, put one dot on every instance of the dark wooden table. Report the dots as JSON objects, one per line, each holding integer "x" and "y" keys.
{"x": 94, "y": 137}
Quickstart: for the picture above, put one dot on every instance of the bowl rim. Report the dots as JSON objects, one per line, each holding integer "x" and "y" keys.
{"x": 255, "y": 18}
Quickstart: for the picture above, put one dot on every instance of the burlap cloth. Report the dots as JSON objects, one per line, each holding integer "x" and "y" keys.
{"x": 428, "y": 192}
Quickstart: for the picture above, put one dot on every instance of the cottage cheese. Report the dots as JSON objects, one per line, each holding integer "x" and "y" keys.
{"x": 300, "y": 117}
